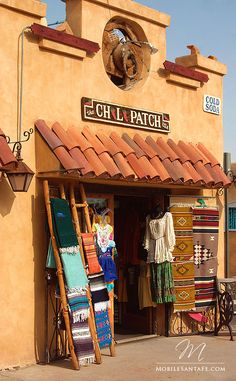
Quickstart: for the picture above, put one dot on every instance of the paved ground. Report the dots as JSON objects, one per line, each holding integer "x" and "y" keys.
{"x": 147, "y": 360}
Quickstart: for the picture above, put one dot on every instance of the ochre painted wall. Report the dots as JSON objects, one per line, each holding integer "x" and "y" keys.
{"x": 54, "y": 83}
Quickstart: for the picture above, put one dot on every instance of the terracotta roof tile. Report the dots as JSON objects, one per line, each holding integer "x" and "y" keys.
{"x": 136, "y": 166}
{"x": 160, "y": 152}
{"x": 150, "y": 171}
{"x": 179, "y": 152}
{"x": 96, "y": 143}
{"x": 123, "y": 146}
{"x": 193, "y": 173}
{"x": 78, "y": 139}
{"x": 208, "y": 154}
{"x": 109, "y": 164}
{"x": 220, "y": 176}
{"x": 171, "y": 170}
{"x": 147, "y": 148}
{"x": 108, "y": 143}
{"x": 123, "y": 166}
{"x": 207, "y": 178}
{"x": 52, "y": 140}
{"x": 81, "y": 161}
{"x": 161, "y": 170}
{"x": 66, "y": 160}
{"x": 62, "y": 135}
{"x": 96, "y": 164}
{"x": 138, "y": 151}
{"x": 132, "y": 159}
{"x": 189, "y": 150}
{"x": 6, "y": 155}
{"x": 166, "y": 148}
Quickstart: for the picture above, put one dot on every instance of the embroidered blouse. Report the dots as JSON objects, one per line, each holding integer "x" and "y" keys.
{"x": 159, "y": 240}
{"x": 104, "y": 236}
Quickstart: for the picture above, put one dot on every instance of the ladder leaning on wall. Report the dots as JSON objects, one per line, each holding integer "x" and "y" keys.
{"x": 65, "y": 309}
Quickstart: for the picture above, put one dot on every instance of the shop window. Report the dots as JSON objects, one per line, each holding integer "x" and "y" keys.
{"x": 126, "y": 53}
{"x": 232, "y": 218}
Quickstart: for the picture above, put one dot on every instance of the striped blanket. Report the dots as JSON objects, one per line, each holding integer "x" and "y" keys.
{"x": 91, "y": 253}
{"x": 99, "y": 292}
{"x": 79, "y": 305}
{"x": 83, "y": 343}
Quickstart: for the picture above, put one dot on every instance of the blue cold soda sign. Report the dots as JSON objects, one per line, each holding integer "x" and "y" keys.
{"x": 212, "y": 104}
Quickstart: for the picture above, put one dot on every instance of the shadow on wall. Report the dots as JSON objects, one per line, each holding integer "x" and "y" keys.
{"x": 40, "y": 252}
{"x": 7, "y": 197}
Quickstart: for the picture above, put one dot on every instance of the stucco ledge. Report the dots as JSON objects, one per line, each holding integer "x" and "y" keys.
{"x": 177, "y": 79}
{"x": 57, "y": 47}
{"x": 32, "y": 7}
{"x": 200, "y": 62}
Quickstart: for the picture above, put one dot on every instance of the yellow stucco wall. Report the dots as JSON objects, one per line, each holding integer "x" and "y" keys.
{"x": 54, "y": 83}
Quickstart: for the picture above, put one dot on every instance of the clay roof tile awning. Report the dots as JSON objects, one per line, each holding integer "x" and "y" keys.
{"x": 137, "y": 158}
{"x": 6, "y": 155}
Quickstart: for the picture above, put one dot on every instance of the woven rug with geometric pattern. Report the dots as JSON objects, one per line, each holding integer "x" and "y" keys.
{"x": 183, "y": 265}
{"x": 205, "y": 240}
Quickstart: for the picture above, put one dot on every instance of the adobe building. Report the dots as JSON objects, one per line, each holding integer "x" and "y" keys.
{"x": 107, "y": 110}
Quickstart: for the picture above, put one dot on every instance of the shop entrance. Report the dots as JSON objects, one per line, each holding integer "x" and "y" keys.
{"x": 134, "y": 313}
{"x": 132, "y": 316}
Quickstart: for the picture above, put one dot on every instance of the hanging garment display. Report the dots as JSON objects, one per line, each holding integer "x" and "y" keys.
{"x": 105, "y": 245}
{"x": 159, "y": 238}
{"x": 159, "y": 242}
{"x": 183, "y": 265}
{"x": 205, "y": 239}
{"x": 91, "y": 253}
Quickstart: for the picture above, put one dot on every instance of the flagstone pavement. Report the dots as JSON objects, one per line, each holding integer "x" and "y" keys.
{"x": 156, "y": 359}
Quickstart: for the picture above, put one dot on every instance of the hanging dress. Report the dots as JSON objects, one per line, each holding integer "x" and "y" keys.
{"x": 159, "y": 241}
{"x": 105, "y": 245}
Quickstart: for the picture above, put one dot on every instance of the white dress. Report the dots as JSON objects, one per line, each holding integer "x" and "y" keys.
{"x": 159, "y": 240}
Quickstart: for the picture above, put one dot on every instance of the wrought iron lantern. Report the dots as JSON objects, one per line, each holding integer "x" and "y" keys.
{"x": 19, "y": 174}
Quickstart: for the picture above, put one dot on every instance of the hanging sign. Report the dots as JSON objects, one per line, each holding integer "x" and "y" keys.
{"x": 212, "y": 104}
{"x": 105, "y": 112}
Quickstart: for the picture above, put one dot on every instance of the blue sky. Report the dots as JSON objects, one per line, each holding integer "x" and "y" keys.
{"x": 208, "y": 24}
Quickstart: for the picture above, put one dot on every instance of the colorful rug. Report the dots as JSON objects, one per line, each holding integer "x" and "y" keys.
{"x": 183, "y": 265}
{"x": 99, "y": 292}
{"x": 91, "y": 253}
{"x": 79, "y": 306}
{"x": 83, "y": 342}
{"x": 103, "y": 328}
{"x": 205, "y": 292}
{"x": 205, "y": 239}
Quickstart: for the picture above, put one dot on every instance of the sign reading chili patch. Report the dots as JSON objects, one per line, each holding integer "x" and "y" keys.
{"x": 104, "y": 112}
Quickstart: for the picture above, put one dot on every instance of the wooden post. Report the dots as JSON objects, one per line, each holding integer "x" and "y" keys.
{"x": 111, "y": 296}
{"x": 91, "y": 319}
{"x": 74, "y": 359}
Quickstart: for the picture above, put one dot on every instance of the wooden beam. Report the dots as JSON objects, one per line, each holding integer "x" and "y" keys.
{"x": 185, "y": 71}
{"x": 64, "y": 38}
